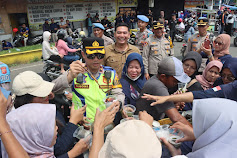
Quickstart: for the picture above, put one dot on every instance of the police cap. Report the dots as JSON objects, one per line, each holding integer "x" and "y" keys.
{"x": 143, "y": 18}
{"x": 202, "y": 21}
{"x": 93, "y": 45}
{"x": 158, "y": 24}
{"x": 98, "y": 25}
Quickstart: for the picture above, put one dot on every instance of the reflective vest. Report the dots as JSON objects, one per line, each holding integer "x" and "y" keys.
{"x": 90, "y": 93}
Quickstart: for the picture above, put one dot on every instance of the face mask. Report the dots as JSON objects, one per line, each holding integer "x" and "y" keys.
{"x": 6, "y": 86}
{"x": 133, "y": 79}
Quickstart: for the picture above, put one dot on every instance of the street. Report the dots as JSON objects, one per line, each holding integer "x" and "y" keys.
{"x": 38, "y": 66}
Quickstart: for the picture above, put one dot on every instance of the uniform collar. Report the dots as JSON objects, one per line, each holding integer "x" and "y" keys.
{"x": 97, "y": 75}
{"x": 114, "y": 48}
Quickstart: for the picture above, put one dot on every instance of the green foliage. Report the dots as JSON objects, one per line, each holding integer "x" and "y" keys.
{"x": 21, "y": 49}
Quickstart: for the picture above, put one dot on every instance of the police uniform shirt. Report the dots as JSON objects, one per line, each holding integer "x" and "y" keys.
{"x": 228, "y": 91}
{"x": 195, "y": 41}
{"x": 107, "y": 40}
{"x": 154, "y": 51}
{"x": 141, "y": 38}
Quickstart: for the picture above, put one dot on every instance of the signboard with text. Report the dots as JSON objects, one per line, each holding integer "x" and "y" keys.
{"x": 37, "y": 13}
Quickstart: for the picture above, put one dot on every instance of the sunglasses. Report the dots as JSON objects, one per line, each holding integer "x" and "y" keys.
{"x": 219, "y": 43}
{"x": 92, "y": 56}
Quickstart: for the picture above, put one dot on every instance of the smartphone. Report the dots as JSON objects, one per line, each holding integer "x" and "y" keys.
{"x": 207, "y": 43}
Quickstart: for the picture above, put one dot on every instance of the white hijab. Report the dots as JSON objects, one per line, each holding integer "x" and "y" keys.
{"x": 215, "y": 128}
{"x": 33, "y": 126}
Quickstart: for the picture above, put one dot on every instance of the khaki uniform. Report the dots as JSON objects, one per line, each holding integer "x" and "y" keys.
{"x": 154, "y": 51}
{"x": 117, "y": 59}
{"x": 141, "y": 38}
{"x": 107, "y": 40}
{"x": 194, "y": 43}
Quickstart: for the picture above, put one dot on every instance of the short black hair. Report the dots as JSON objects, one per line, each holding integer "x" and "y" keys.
{"x": 61, "y": 18}
{"x": 22, "y": 100}
{"x": 121, "y": 24}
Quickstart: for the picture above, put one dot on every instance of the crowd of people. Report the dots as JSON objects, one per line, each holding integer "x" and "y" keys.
{"x": 115, "y": 74}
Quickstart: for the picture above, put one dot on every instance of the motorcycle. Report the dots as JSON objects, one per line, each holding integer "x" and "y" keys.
{"x": 109, "y": 32}
{"x": 132, "y": 38}
{"x": 235, "y": 37}
{"x": 183, "y": 49}
{"x": 179, "y": 34}
{"x": 18, "y": 40}
{"x": 53, "y": 68}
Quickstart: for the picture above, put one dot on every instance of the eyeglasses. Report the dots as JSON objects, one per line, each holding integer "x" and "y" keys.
{"x": 219, "y": 43}
{"x": 187, "y": 66}
{"x": 92, "y": 56}
{"x": 229, "y": 78}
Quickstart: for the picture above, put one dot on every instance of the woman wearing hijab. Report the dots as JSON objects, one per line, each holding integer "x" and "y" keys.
{"x": 214, "y": 129}
{"x": 30, "y": 88}
{"x": 210, "y": 74}
{"x": 48, "y": 53}
{"x": 228, "y": 73}
{"x": 191, "y": 63}
{"x": 133, "y": 78}
{"x": 221, "y": 46}
{"x": 35, "y": 128}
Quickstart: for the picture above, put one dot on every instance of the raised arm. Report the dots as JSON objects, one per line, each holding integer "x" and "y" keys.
{"x": 12, "y": 146}
{"x": 184, "y": 97}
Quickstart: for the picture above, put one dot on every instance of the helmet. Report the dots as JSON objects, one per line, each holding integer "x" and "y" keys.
{"x": 180, "y": 20}
{"x": 82, "y": 34}
{"x": 61, "y": 35}
{"x": 15, "y": 30}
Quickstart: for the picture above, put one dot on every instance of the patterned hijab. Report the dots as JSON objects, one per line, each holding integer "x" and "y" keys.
{"x": 33, "y": 126}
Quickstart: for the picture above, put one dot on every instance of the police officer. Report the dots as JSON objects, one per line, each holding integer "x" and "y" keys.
{"x": 155, "y": 49}
{"x": 95, "y": 81}
{"x": 143, "y": 33}
{"x": 98, "y": 30}
{"x": 195, "y": 41}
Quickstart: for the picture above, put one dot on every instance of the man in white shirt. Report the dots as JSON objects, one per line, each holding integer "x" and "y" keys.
{"x": 229, "y": 23}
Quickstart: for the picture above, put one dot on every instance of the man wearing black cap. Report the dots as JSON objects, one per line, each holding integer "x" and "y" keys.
{"x": 156, "y": 48}
{"x": 95, "y": 81}
{"x": 196, "y": 40}
{"x": 46, "y": 26}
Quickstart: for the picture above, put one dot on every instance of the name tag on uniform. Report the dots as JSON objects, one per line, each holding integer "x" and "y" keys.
{"x": 105, "y": 86}
{"x": 81, "y": 86}
{"x": 153, "y": 42}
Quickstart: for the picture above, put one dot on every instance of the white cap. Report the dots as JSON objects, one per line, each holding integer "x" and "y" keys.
{"x": 29, "y": 82}
{"x": 131, "y": 139}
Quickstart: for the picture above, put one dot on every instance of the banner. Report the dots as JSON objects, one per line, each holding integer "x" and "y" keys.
{"x": 37, "y": 13}
{"x": 127, "y": 3}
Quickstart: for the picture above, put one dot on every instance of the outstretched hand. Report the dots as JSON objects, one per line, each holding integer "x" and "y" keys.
{"x": 186, "y": 129}
{"x": 3, "y": 106}
{"x": 158, "y": 99}
{"x": 174, "y": 151}
{"x": 144, "y": 116}
{"x": 106, "y": 117}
